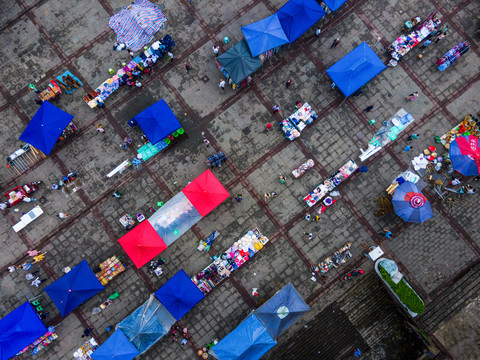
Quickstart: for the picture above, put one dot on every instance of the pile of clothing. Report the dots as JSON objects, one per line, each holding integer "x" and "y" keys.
{"x": 446, "y": 60}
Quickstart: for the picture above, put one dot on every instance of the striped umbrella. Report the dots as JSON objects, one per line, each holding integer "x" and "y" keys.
{"x": 137, "y": 24}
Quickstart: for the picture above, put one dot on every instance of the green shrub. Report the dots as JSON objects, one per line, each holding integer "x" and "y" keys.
{"x": 406, "y": 294}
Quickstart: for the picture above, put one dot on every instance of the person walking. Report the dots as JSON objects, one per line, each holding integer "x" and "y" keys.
{"x": 387, "y": 233}
{"x": 308, "y": 235}
{"x": 425, "y": 44}
{"x": 276, "y": 109}
{"x": 62, "y": 215}
{"x": 407, "y": 148}
{"x": 363, "y": 169}
{"x": 268, "y": 127}
{"x": 205, "y": 140}
{"x": 308, "y": 217}
{"x": 265, "y": 197}
{"x": 412, "y": 96}
{"x": 412, "y": 137}
{"x": 188, "y": 67}
{"x": 440, "y": 37}
{"x": 335, "y": 43}
{"x": 216, "y": 50}
{"x": 368, "y": 108}
{"x": 37, "y": 282}
{"x": 100, "y": 129}
{"x": 239, "y": 198}
{"x": 288, "y": 83}
{"x": 34, "y": 89}
{"x": 30, "y": 276}
{"x": 138, "y": 84}
{"x": 117, "y": 194}
{"x": 282, "y": 179}
{"x": 318, "y": 32}
{"x": 171, "y": 56}
{"x": 222, "y": 84}
{"x": 87, "y": 332}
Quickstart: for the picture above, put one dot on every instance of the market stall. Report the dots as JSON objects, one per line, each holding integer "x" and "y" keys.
{"x": 117, "y": 347}
{"x": 355, "y": 69}
{"x": 48, "y": 125}
{"x": 302, "y": 169}
{"x": 216, "y": 160}
{"x": 452, "y": 55}
{"x": 127, "y": 221}
{"x": 51, "y": 92}
{"x": 336, "y": 259}
{"x": 145, "y": 59}
{"x": 137, "y": 23}
{"x": 388, "y": 132}
{"x": 160, "y": 126}
{"x": 410, "y": 204}
{"x": 86, "y": 350}
{"x": 68, "y": 82}
{"x": 329, "y": 184}
{"x": 73, "y": 288}
{"x": 264, "y": 35}
{"x": 230, "y": 260}
{"x": 19, "y": 329}
{"x": 293, "y": 125}
{"x": 109, "y": 269}
{"x": 404, "y": 43}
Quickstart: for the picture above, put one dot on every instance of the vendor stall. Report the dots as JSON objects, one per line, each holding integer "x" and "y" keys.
{"x": 109, "y": 269}
{"x": 293, "y": 125}
{"x": 127, "y": 221}
{"x": 302, "y": 169}
{"x": 146, "y": 59}
{"x": 51, "y": 92}
{"x": 452, "y": 55}
{"x": 230, "y": 260}
{"x": 86, "y": 350}
{"x": 338, "y": 258}
{"x": 216, "y": 160}
{"x": 387, "y": 133}
{"x": 404, "y": 43}
{"x": 329, "y": 184}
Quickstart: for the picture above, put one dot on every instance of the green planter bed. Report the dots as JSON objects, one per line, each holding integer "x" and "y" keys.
{"x": 404, "y": 293}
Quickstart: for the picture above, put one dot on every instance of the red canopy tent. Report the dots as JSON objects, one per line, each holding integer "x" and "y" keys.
{"x": 205, "y": 192}
{"x": 142, "y": 243}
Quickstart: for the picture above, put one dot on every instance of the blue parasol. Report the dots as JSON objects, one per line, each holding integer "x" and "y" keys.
{"x": 410, "y": 204}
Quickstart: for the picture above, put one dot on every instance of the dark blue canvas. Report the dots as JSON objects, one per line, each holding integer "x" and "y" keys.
{"x": 264, "y": 35}
{"x": 19, "y": 329}
{"x": 46, "y": 127}
{"x": 248, "y": 341}
{"x": 73, "y": 288}
{"x": 238, "y": 62}
{"x": 404, "y": 209}
{"x": 297, "y": 16}
{"x": 282, "y": 310}
{"x": 179, "y": 294}
{"x": 157, "y": 121}
{"x": 334, "y": 4}
{"x": 355, "y": 69}
{"x": 117, "y": 347}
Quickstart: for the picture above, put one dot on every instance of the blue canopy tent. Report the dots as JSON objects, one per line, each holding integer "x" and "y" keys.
{"x": 179, "y": 294}
{"x": 334, "y": 4}
{"x": 46, "y": 127}
{"x": 73, "y": 288}
{"x": 355, "y": 69}
{"x": 117, "y": 347}
{"x": 147, "y": 324}
{"x": 297, "y": 16}
{"x": 264, "y": 35}
{"x": 248, "y": 341}
{"x": 157, "y": 121}
{"x": 19, "y": 329}
{"x": 282, "y": 310}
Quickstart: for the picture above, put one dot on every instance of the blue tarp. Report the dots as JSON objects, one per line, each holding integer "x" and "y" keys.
{"x": 157, "y": 121}
{"x": 248, "y": 341}
{"x": 73, "y": 288}
{"x": 282, "y": 310}
{"x": 355, "y": 69}
{"x": 19, "y": 329}
{"x": 147, "y": 324}
{"x": 264, "y": 35}
{"x": 297, "y": 16}
{"x": 117, "y": 347}
{"x": 179, "y": 294}
{"x": 46, "y": 127}
{"x": 334, "y": 4}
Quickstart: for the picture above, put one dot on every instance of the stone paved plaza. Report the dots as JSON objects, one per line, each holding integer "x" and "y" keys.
{"x": 41, "y": 39}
